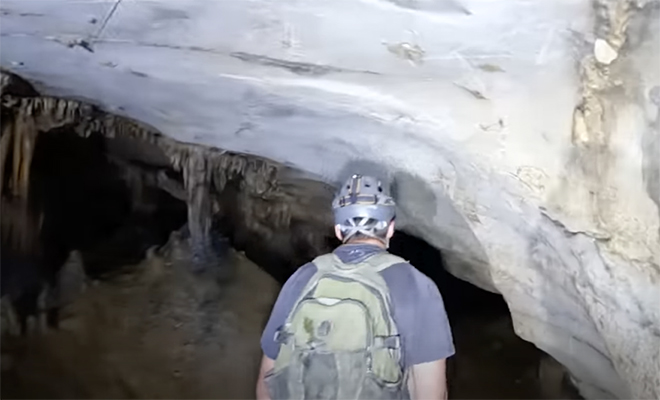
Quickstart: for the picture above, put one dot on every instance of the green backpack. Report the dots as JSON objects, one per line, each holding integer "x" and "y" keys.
{"x": 340, "y": 341}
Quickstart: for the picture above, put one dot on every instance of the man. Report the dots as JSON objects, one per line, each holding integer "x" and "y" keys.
{"x": 358, "y": 323}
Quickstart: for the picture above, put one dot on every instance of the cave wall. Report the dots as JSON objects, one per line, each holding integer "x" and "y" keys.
{"x": 516, "y": 141}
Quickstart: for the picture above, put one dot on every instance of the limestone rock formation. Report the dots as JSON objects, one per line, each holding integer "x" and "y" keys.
{"x": 520, "y": 138}
{"x": 259, "y": 195}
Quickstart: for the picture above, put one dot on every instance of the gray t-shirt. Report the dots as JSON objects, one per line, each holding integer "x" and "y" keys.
{"x": 417, "y": 307}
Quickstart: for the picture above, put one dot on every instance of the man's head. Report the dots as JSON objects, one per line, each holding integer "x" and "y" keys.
{"x": 363, "y": 212}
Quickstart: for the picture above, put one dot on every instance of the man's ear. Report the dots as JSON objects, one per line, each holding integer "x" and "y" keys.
{"x": 338, "y": 233}
{"x": 390, "y": 230}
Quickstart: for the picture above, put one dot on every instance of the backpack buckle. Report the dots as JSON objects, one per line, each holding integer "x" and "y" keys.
{"x": 282, "y": 336}
{"x": 388, "y": 342}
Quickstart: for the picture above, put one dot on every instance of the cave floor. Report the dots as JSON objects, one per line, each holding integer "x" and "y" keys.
{"x": 157, "y": 332}
{"x": 491, "y": 362}
{"x": 161, "y": 332}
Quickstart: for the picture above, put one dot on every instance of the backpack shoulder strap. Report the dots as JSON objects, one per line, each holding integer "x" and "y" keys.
{"x": 366, "y": 272}
{"x": 326, "y": 262}
{"x": 383, "y": 260}
{"x": 378, "y": 262}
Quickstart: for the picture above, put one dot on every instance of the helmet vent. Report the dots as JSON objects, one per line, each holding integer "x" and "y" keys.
{"x": 363, "y": 197}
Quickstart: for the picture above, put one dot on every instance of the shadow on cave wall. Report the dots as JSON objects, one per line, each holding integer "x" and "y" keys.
{"x": 460, "y": 296}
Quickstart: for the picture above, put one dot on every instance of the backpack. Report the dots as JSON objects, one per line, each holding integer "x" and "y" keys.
{"x": 339, "y": 341}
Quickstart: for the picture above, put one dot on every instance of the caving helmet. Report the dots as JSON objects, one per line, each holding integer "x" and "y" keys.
{"x": 362, "y": 206}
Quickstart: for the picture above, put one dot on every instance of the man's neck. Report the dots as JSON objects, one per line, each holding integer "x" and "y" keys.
{"x": 371, "y": 241}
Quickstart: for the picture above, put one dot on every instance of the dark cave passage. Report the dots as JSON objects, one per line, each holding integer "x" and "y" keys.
{"x": 87, "y": 206}
{"x": 490, "y": 360}
{"x": 461, "y": 297}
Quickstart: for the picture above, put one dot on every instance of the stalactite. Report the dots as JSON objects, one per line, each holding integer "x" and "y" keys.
{"x": 5, "y": 144}
{"x": 25, "y": 136}
{"x": 197, "y": 181}
{"x": 17, "y": 136}
{"x": 20, "y": 224}
{"x": 23, "y": 119}
{"x": 268, "y": 200}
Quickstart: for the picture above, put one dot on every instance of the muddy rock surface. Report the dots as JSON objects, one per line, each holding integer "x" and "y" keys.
{"x": 156, "y": 330}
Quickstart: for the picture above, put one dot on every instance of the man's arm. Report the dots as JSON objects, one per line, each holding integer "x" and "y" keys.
{"x": 420, "y": 315}
{"x": 267, "y": 365}
{"x": 428, "y": 381}
{"x": 285, "y": 301}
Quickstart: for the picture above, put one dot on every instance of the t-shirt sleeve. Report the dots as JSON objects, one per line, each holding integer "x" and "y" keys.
{"x": 420, "y": 315}
{"x": 432, "y": 339}
{"x": 285, "y": 301}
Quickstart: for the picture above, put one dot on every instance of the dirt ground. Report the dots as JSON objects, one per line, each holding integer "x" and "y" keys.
{"x": 492, "y": 362}
{"x": 159, "y": 331}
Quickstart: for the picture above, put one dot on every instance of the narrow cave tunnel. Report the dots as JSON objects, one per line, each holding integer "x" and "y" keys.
{"x": 89, "y": 203}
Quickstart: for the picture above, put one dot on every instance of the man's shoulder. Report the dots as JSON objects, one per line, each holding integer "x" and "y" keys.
{"x": 306, "y": 268}
{"x": 301, "y": 276}
{"x": 405, "y": 276}
{"x": 400, "y": 275}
